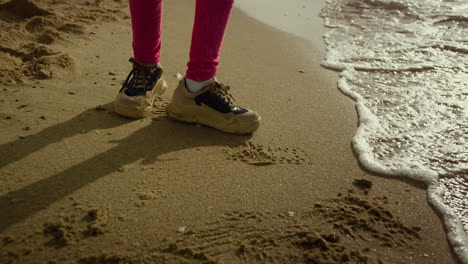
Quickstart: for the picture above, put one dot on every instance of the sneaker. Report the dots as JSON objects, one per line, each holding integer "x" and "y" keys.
{"x": 212, "y": 106}
{"x": 139, "y": 90}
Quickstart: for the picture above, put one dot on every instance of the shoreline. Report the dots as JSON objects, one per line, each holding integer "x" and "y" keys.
{"x": 293, "y": 18}
{"x": 160, "y": 189}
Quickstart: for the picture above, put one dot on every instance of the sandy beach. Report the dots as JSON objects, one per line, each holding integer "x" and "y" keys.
{"x": 79, "y": 184}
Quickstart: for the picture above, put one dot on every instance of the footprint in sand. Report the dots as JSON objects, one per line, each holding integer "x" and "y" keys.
{"x": 359, "y": 217}
{"x": 259, "y": 237}
{"x": 260, "y": 155}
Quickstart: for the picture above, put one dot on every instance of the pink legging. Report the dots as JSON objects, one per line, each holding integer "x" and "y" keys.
{"x": 211, "y": 19}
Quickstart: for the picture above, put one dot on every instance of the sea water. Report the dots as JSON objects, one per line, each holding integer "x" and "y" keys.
{"x": 405, "y": 63}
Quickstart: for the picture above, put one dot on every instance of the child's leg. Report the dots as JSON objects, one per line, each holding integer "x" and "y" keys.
{"x": 199, "y": 99}
{"x": 146, "y": 25}
{"x": 211, "y": 20}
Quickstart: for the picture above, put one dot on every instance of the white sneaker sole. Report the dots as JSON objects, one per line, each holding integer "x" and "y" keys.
{"x": 206, "y": 116}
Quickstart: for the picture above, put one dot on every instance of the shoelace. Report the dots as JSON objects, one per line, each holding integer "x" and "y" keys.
{"x": 141, "y": 74}
{"x": 223, "y": 91}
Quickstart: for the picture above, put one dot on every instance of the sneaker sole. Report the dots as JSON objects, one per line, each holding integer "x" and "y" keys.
{"x": 141, "y": 112}
{"x": 203, "y": 116}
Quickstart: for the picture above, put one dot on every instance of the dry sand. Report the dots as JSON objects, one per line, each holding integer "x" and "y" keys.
{"x": 79, "y": 184}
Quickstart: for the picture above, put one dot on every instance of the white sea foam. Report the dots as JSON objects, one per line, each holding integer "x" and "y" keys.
{"x": 405, "y": 62}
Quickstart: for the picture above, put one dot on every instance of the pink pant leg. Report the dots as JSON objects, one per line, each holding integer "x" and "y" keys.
{"x": 146, "y": 25}
{"x": 211, "y": 20}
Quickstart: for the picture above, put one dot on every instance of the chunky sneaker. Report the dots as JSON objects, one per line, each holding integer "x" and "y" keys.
{"x": 139, "y": 90}
{"x": 212, "y": 106}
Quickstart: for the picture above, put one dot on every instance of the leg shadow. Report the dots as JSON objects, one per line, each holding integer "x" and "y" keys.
{"x": 85, "y": 122}
{"x": 146, "y": 144}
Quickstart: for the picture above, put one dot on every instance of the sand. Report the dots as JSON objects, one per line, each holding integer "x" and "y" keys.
{"x": 79, "y": 184}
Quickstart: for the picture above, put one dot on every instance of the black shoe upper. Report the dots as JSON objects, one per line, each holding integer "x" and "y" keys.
{"x": 219, "y": 98}
{"x": 141, "y": 79}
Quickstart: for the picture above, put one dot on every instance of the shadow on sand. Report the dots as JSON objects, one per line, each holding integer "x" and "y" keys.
{"x": 146, "y": 144}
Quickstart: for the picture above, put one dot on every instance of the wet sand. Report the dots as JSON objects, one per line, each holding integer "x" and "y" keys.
{"x": 79, "y": 184}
